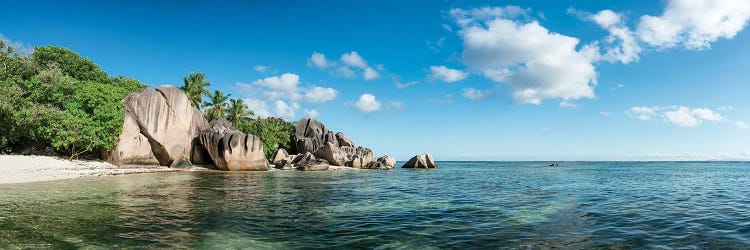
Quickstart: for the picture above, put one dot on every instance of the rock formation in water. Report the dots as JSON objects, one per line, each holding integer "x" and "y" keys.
{"x": 160, "y": 127}
{"x": 387, "y": 160}
{"x": 308, "y": 162}
{"x": 420, "y": 161}
{"x": 384, "y": 162}
{"x": 313, "y": 139}
{"x": 336, "y": 148}
{"x": 231, "y": 149}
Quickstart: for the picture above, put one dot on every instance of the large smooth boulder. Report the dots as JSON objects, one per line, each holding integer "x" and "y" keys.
{"x": 312, "y": 135}
{"x": 420, "y": 161}
{"x": 333, "y": 154}
{"x": 232, "y": 149}
{"x": 387, "y": 160}
{"x": 160, "y": 127}
{"x": 281, "y": 157}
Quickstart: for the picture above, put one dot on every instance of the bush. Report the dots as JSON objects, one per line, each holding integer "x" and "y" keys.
{"x": 274, "y": 132}
{"x": 67, "y": 102}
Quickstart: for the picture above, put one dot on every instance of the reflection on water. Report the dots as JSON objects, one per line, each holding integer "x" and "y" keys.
{"x": 461, "y": 205}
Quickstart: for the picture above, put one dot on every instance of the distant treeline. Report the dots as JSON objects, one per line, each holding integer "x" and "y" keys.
{"x": 55, "y": 102}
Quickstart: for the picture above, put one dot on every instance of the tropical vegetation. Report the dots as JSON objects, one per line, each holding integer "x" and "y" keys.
{"x": 53, "y": 101}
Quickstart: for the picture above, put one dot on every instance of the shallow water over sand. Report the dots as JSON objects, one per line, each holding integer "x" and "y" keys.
{"x": 461, "y": 205}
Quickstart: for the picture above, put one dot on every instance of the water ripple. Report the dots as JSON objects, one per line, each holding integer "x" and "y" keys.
{"x": 463, "y": 205}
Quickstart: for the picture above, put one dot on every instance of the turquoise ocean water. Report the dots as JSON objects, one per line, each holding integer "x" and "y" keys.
{"x": 462, "y": 205}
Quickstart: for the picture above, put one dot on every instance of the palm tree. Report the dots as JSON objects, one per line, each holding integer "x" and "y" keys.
{"x": 195, "y": 88}
{"x": 217, "y": 105}
{"x": 238, "y": 110}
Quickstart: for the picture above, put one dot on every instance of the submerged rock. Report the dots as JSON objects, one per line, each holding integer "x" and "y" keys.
{"x": 232, "y": 149}
{"x": 160, "y": 126}
{"x": 420, "y": 161}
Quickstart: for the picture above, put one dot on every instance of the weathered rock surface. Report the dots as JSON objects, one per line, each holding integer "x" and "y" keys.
{"x": 387, "y": 160}
{"x": 343, "y": 140}
{"x": 308, "y": 162}
{"x": 281, "y": 157}
{"x": 312, "y": 135}
{"x": 333, "y": 154}
{"x": 233, "y": 150}
{"x": 420, "y": 161}
{"x": 337, "y": 149}
{"x": 383, "y": 162}
{"x": 360, "y": 156}
{"x": 377, "y": 165}
{"x": 160, "y": 126}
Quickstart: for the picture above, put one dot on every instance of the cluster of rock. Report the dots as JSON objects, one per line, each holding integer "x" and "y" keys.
{"x": 317, "y": 145}
{"x": 162, "y": 127}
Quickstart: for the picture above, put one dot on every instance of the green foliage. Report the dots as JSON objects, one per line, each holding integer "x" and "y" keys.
{"x": 58, "y": 99}
{"x": 69, "y": 62}
{"x": 237, "y": 111}
{"x": 195, "y": 87}
{"x": 217, "y": 106}
{"x": 274, "y": 132}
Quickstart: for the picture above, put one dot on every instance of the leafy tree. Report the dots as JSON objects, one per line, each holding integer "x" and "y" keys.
{"x": 237, "y": 111}
{"x": 195, "y": 87}
{"x": 217, "y": 105}
{"x": 69, "y": 62}
{"x": 274, "y": 132}
{"x": 55, "y": 98}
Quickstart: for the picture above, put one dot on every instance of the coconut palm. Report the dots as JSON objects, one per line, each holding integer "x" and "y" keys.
{"x": 238, "y": 110}
{"x": 195, "y": 88}
{"x": 217, "y": 105}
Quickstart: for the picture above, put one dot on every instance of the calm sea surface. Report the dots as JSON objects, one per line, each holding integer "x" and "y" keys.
{"x": 462, "y": 205}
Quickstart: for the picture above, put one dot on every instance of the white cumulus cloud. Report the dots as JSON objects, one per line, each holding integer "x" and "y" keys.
{"x": 261, "y": 68}
{"x": 476, "y": 94}
{"x": 367, "y": 103}
{"x": 642, "y": 113}
{"x": 622, "y": 44}
{"x": 285, "y": 110}
{"x": 311, "y": 113}
{"x": 318, "y": 60}
{"x": 682, "y": 117}
{"x": 534, "y": 62}
{"x": 284, "y": 93}
{"x": 694, "y": 24}
{"x": 446, "y": 74}
{"x": 678, "y": 115}
{"x": 353, "y": 59}
{"x": 741, "y": 125}
{"x": 320, "y": 94}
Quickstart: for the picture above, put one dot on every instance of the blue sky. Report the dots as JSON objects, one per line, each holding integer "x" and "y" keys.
{"x": 464, "y": 80}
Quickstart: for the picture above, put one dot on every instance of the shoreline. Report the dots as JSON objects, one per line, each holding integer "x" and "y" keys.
{"x": 17, "y": 169}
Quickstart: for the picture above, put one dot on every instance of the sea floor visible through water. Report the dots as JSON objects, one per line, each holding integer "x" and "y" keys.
{"x": 462, "y": 205}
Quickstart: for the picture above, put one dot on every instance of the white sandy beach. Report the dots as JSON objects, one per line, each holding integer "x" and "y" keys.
{"x": 23, "y": 168}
